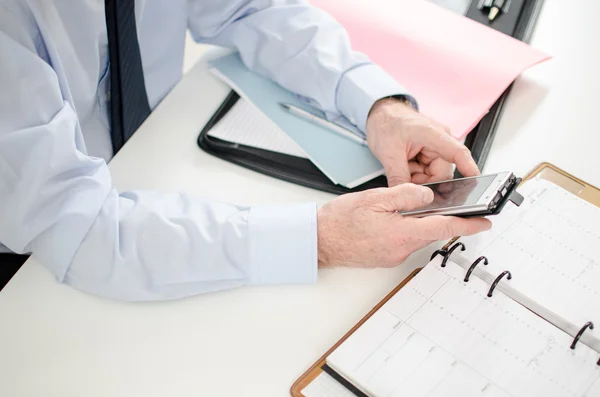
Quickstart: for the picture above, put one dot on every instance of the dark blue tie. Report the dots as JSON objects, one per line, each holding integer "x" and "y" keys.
{"x": 128, "y": 100}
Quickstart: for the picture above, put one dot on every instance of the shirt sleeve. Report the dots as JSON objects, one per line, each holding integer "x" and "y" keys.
{"x": 300, "y": 47}
{"x": 59, "y": 204}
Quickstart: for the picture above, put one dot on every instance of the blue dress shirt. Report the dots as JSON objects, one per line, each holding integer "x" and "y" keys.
{"x": 57, "y": 200}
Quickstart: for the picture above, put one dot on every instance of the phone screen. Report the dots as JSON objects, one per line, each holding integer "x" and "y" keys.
{"x": 459, "y": 192}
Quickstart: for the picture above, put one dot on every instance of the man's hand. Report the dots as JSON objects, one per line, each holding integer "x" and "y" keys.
{"x": 365, "y": 230}
{"x": 413, "y": 148}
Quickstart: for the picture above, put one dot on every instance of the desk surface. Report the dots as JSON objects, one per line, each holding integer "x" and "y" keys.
{"x": 56, "y": 341}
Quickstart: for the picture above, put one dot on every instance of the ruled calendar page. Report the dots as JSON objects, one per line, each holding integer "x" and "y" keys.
{"x": 440, "y": 336}
{"x": 551, "y": 245}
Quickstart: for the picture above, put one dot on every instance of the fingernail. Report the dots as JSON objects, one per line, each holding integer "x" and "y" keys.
{"x": 427, "y": 194}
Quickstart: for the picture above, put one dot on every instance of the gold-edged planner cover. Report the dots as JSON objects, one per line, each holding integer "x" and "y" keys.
{"x": 570, "y": 183}
{"x": 544, "y": 171}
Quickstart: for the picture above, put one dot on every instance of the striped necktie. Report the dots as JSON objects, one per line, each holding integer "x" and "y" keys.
{"x": 128, "y": 100}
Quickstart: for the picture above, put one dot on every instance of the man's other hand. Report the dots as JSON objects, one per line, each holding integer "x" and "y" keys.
{"x": 365, "y": 230}
{"x": 413, "y": 148}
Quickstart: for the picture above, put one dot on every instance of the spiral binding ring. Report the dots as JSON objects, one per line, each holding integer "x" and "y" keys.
{"x": 497, "y": 280}
{"x": 441, "y": 252}
{"x": 587, "y": 325}
{"x": 481, "y": 258}
{"x": 450, "y": 251}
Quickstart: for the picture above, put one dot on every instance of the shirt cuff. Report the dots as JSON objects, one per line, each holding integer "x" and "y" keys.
{"x": 283, "y": 244}
{"x": 361, "y": 87}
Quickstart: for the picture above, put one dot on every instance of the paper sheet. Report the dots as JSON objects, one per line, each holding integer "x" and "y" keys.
{"x": 550, "y": 245}
{"x": 455, "y": 67}
{"x": 245, "y": 125}
{"x": 350, "y": 164}
{"x": 439, "y": 336}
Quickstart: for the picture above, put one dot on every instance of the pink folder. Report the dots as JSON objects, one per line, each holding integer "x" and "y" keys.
{"x": 455, "y": 67}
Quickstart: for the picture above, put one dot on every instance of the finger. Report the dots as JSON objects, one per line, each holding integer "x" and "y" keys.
{"x": 439, "y": 170}
{"x": 406, "y": 197}
{"x": 397, "y": 171}
{"x": 445, "y": 227}
{"x": 420, "y": 178}
{"x": 442, "y": 127}
{"x": 423, "y": 158}
{"x": 416, "y": 168}
{"x": 452, "y": 151}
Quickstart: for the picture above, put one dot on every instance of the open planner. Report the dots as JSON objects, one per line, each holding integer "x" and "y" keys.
{"x": 506, "y": 313}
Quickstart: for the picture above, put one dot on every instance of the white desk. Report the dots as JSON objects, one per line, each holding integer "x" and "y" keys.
{"x": 552, "y": 112}
{"x": 55, "y": 341}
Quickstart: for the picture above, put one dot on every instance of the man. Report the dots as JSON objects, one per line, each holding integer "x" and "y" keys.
{"x": 77, "y": 80}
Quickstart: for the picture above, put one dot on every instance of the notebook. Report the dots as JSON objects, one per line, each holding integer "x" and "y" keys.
{"x": 342, "y": 160}
{"x": 441, "y": 336}
{"x": 245, "y": 125}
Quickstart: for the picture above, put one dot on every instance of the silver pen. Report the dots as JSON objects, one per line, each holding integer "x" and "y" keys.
{"x": 296, "y": 111}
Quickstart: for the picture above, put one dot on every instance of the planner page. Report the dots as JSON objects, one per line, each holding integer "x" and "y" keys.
{"x": 440, "y": 336}
{"x": 551, "y": 246}
{"x": 245, "y": 125}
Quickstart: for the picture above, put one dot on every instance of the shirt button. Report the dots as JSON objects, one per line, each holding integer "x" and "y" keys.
{"x": 351, "y": 119}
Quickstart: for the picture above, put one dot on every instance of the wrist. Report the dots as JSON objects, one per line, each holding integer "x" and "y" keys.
{"x": 323, "y": 245}
{"x": 388, "y": 104}
{"x": 384, "y": 113}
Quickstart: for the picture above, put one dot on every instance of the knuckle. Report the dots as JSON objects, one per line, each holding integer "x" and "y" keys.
{"x": 440, "y": 128}
{"x": 464, "y": 151}
{"x": 414, "y": 120}
{"x": 433, "y": 129}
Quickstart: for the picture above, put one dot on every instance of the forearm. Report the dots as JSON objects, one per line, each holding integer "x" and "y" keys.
{"x": 140, "y": 245}
{"x": 300, "y": 47}
{"x": 150, "y": 246}
{"x": 59, "y": 204}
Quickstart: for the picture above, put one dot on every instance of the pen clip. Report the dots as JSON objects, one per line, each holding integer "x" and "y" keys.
{"x": 493, "y": 8}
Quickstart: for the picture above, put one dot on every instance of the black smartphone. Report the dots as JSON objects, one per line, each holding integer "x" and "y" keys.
{"x": 468, "y": 197}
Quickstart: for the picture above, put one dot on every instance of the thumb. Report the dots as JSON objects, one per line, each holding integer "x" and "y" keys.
{"x": 407, "y": 197}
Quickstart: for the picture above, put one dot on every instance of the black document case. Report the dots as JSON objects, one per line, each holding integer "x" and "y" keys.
{"x": 518, "y": 22}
